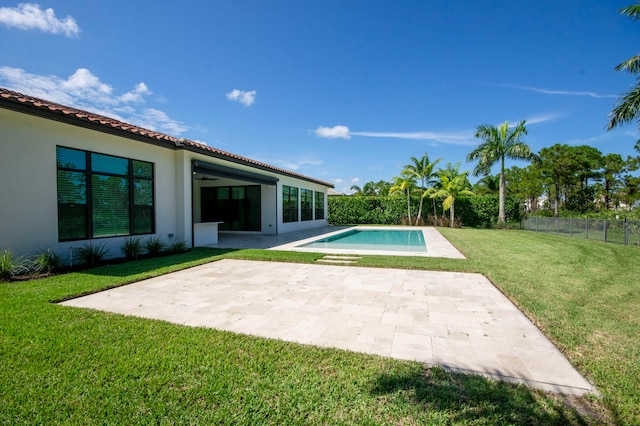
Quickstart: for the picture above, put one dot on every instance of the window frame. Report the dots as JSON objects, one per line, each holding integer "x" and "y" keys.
{"x": 290, "y": 208}
{"x": 318, "y": 205}
{"x": 133, "y": 181}
{"x": 306, "y": 204}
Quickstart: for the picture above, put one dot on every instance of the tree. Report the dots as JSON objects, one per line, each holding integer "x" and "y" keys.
{"x": 452, "y": 185}
{"x": 404, "y": 184}
{"x": 627, "y": 108}
{"x": 568, "y": 169}
{"x": 613, "y": 167}
{"x": 500, "y": 143}
{"x": 525, "y": 184}
{"x": 488, "y": 185}
{"x": 422, "y": 171}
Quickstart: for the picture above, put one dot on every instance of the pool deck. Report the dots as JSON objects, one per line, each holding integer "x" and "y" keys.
{"x": 459, "y": 321}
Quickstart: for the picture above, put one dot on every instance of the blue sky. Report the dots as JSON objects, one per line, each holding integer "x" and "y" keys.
{"x": 343, "y": 91}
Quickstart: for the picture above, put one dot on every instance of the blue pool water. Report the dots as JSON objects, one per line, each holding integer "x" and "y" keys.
{"x": 373, "y": 239}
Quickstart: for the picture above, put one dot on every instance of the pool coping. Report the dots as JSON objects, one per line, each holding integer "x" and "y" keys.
{"x": 437, "y": 244}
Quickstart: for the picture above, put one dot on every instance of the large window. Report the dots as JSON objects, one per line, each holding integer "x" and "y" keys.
{"x": 102, "y": 195}
{"x": 306, "y": 204}
{"x": 237, "y": 207}
{"x": 289, "y": 204}
{"x": 319, "y": 205}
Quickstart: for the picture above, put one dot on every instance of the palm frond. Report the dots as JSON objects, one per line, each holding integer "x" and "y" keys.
{"x": 633, "y": 11}
{"x": 627, "y": 109}
{"x": 631, "y": 65}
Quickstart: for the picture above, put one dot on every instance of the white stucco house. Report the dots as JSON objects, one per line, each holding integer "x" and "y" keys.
{"x": 70, "y": 176}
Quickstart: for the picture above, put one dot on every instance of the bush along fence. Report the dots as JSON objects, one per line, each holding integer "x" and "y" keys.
{"x": 611, "y": 231}
{"x": 480, "y": 211}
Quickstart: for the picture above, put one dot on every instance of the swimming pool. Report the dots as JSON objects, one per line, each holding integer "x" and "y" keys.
{"x": 394, "y": 240}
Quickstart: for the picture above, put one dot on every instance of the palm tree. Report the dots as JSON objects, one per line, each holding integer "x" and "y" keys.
{"x": 488, "y": 185}
{"x": 628, "y": 106}
{"x": 403, "y": 184}
{"x": 422, "y": 171}
{"x": 452, "y": 185}
{"x": 500, "y": 142}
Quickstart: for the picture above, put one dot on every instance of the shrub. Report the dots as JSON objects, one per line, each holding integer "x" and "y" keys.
{"x": 45, "y": 262}
{"x": 131, "y": 248}
{"x": 154, "y": 246}
{"x": 178, "y": 247}
{"x": 470, "y": 211}
{"x": 8, "y": 265}
{"x": 91, "y": 255}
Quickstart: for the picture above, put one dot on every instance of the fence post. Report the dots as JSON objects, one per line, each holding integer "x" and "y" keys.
{"x": 605, "y": 230}
{"x": 570, "y": 227}
{"x": 537, "y": 220}
{"x": 586, "y": 229}
{"x": 547, "y": 225}
{"x": 626, "y": 232}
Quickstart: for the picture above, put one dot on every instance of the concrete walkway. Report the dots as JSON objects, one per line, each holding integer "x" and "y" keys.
{"x": 459, "y": 321}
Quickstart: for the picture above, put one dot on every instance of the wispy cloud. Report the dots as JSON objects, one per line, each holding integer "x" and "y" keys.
{"x": 29, "y": 16}
{"x": 590, "y": 141}
{"x": 84, "y": 90}
{"x": 557, "y": 92}
{"x": 542, "y": 118}
{"x": 244, "y": 97}
{"x": 296, "y": 163}
{"x": 459, "y": 138}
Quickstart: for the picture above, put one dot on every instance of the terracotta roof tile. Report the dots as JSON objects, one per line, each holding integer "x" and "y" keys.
{"x": 78, "y": 115}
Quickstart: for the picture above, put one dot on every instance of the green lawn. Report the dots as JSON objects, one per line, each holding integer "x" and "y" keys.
{"x": 63, "y": 365}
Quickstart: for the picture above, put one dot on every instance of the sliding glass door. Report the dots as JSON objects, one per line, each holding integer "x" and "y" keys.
{"x": 238, "y": 207}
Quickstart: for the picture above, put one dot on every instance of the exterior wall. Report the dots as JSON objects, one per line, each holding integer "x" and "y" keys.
{"x": 299, "y": 225}
{"x": 29, "y": 206}
{"x": 28, "y": 193}
{"x": 269, "y": 200}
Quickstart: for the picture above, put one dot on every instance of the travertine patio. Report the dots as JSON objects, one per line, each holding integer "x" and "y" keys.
{"x": 459, "y": 321}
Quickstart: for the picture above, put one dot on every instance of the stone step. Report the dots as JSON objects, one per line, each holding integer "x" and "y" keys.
{"x": 342, "y": 257}
{"x": 336, "y": 261}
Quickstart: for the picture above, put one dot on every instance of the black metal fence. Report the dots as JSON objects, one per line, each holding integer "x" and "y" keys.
{"x": 611, "y": 231}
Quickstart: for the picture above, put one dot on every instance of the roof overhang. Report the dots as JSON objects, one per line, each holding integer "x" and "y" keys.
{"x": 231, "y": 173}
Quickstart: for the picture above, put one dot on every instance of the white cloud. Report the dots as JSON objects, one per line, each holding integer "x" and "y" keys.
{"x": 153, "y": 119}
{"x": 137, "y": 94}
{"x": 85, "y": 91}
{"x": 333, "y": 132}
{"x": 245, "y": 98}
{"x": 29, "y": 16}
{"x": 355, "y": 180}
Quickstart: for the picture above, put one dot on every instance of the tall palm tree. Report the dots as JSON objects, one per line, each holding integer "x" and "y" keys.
{"x": 423, "y": 171}
{"x": 500, "y": 142}
{"x": 403, "y": 184}
{"x": 488, "y": 185}
{"x": 452, "y": 186}
{"x": 627, "y": 108}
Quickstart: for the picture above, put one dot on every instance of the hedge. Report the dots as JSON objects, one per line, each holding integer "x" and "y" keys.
{"x": 471, "y": 211}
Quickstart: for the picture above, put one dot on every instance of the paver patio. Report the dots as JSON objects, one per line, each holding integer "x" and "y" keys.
{"x": 459, "y": 321}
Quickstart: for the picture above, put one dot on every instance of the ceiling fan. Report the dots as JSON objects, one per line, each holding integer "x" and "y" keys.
{"x": 203, "y": 177}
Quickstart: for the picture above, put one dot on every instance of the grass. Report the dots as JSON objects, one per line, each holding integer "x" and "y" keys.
{"x": 65, "y": 365}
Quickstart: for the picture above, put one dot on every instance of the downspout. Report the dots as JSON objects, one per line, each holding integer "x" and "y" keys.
{"x": 193, "y": 206}
{"x": 276, "y": 209}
